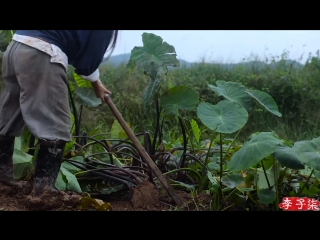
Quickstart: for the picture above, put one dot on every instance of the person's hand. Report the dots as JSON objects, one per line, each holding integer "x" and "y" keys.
{"x": 100, "y": 90}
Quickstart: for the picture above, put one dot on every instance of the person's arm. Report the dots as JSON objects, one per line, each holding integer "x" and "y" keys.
{"x": 94, "y": 45}
{"x": 100, "y": 90}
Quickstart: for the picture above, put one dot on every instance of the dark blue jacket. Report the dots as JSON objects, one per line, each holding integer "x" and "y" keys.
{"x": 85, "y": 48}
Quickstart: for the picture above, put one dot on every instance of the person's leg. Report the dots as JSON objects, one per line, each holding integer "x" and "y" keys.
{"x": 45, "y": 109}
{"x": 11, "y": 120}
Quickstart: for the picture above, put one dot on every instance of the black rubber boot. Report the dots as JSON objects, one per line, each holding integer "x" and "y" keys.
{"x": 47, "y": 166}
{"x": 6, "y": 167}
{"x": 44, "y": 196}
{"x": 6, "y": 164}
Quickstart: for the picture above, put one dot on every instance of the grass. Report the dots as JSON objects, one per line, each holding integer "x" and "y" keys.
{"x": 294, "y": 89}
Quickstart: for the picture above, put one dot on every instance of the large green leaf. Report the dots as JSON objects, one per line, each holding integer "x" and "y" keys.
{"x": 225, "y": 117}
{"x": 181, "y": 184}
{"x": 266, "y": 196}
{"x": 232, "y": 180}
{"x": 106, "y": 159}
{"x": 117, "y": 132}
{"x": 265, "y": 100}
{"x": 317, "y": 174}
{"x": 287, "y": 158}
{"x": 72, "y": 182}
{"x": 271, "y": 173}
{"x": 81, "y": 83}
{"x": 61, "y": 182}
{"x": 179, "y": 98}
{"x": 18, "y": 143}
{"x": 87, "y": 97}
{"x": 155, "y": 55}
{"x": 308, "y": 152}
{"x": 259, "y": 147}
{"x": 233, "y": 92}
{"x": 22, "y": 164}
{"x": 150, "y": 92}
{"x": 195, "y": 130}
{"x": 213, "y": 166}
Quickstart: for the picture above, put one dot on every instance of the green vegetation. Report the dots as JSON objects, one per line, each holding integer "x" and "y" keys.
{"x": 244, "y": 133}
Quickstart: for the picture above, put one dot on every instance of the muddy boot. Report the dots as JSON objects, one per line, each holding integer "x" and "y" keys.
{"x": 47, "y": 166}
{"x": 44, "y": 196}
{"x": 6, "y": 167}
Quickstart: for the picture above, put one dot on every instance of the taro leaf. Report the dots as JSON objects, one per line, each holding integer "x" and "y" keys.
{"x": 181, "y": 184}
{"x": 213, "y": 166}
{"x": 232, "y": 180}
{"x": 72, "y": 182}
{"x": 71, "y": 168}
{"x": 287, "y": 158}
{"x": 87, "y": 97}
{"x": 22, "y": 164}
{"x": 106, "y": 159}
{"x": 259, "y": 147}
{"x": 317, "y": 174}
{"x": 233, "y": 92}
{"x": 155, "y": 55}
{"x": 266, "y": 196}
{"x": 81, "y": 83}
{"x": 61, "y": 182}
{"x": 117, "y": 132}
{"x": 306, "y": 171}
{"x": 262, "y": 181}
{"x": 179, "y": 98}
{"x": 225, "y": 117}
{"x": 17, "y": 143}
{"x": 308, "y": 152}
{"x": 195, "y": 130}
{"x": 151, "y": 92}
{"x": 265, "y": 100}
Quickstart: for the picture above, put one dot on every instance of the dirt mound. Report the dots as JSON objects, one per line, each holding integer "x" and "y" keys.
{"x": 145, "y": 195}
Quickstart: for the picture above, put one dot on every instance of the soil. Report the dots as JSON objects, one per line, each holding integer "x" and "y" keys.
{"x": 144, "y": 197}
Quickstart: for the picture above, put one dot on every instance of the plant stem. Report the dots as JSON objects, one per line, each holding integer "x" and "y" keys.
{"x": 75, "y": 114}
{"x": 238, "y": 133}
{"x": 183, "y": 157}
{"x": 207, "y": 156}
{"x": 276, "y": 203}
{"x": 300, "y": 191}
{"x": 265, "y": 174}
{"x": 221, "y": 160}
{"x": 187, "y": 130}
{"x": 281, "y": 181}
{"x": 183, "y": 169}
{"x": 154, "y": 142}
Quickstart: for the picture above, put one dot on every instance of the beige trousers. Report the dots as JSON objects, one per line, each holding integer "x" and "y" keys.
{"x": 34, "y": 95}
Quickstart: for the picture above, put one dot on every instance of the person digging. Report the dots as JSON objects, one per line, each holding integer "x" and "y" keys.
{"x": 35, "y": 95}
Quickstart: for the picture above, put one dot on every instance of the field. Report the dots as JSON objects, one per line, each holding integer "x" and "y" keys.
{"x": 226, "y": 137}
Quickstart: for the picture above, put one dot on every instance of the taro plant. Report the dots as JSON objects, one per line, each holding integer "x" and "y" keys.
{"x": 153, "y": 59}
{"x": 261, "y": 164}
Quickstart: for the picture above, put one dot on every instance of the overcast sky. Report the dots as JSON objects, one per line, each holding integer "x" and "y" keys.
{"x": 226, "y": 45}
